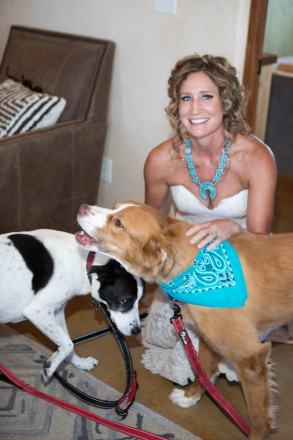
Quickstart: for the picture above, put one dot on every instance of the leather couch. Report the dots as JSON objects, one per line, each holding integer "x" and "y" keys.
{"x": 45, "y": 174}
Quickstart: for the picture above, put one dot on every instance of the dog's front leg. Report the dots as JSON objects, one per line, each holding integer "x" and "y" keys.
{"x": 193, "y": 393}
{"x": 80, "y": 362}
{"x": 43, "y": 317}
{"x": 45, "y": 321}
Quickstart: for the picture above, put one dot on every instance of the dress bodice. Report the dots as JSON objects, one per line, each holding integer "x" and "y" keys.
{"x": 190, "y": 209}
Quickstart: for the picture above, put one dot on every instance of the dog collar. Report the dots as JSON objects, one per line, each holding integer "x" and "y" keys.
{"x": 215, "y": 279}
{"x": 89, "y": 264}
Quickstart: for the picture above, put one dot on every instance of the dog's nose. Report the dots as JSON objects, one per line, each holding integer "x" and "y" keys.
{"x": 84, "y": 209}
{"x": 135, "y": 329}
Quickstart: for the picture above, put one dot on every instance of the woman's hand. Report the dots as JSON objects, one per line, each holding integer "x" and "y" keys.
{"x": 214, "y": 231}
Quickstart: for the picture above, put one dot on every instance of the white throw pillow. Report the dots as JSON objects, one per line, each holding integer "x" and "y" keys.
{"x": 22, "y": 109}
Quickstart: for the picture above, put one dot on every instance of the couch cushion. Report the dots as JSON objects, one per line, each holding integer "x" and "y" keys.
{"x": 22, "y": 109}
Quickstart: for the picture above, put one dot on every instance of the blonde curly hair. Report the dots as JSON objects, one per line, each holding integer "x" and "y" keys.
{"x": 233, "y": 96}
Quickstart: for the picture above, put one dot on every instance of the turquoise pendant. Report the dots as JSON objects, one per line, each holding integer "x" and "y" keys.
{"x": 207, "y": 187}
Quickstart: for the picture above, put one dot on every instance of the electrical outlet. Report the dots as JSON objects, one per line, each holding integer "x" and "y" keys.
{"x": 165, "y": 6}
{"x": 106, "y": 171}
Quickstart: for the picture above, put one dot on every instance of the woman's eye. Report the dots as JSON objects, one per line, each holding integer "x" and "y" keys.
{"x": 207, "y": 97}
{"x": 185, "y": 98}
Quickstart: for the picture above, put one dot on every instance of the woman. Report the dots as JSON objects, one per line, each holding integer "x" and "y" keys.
{"x": 221, "y": 178}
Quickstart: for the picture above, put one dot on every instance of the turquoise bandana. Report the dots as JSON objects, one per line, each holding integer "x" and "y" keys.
{"x": 215, "y": 279}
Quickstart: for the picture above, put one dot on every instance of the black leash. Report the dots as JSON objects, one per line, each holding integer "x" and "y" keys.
{"x": 101, "y": 332}
{"x": 121, "y": 405}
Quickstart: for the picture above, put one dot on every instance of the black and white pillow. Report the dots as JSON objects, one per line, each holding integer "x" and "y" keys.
{"x": 22, "y": 109}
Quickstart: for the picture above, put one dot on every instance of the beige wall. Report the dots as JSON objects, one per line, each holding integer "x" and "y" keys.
{"x": 148, "y": 44}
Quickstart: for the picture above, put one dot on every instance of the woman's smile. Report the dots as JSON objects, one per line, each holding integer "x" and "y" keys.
{"x": 198, "y": 121}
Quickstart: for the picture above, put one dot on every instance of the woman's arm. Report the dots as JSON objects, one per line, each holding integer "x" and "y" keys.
{"x": 262, "y": 189}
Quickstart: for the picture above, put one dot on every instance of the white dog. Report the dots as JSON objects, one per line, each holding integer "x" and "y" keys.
{"x": 41, "y": 270}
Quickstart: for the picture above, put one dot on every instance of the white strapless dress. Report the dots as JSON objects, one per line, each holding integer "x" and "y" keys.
{"x": 165, "y": 354}
{"x": 190, "y": 209}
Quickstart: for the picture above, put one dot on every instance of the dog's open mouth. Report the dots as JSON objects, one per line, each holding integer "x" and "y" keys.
{"x": 84, "y": 239}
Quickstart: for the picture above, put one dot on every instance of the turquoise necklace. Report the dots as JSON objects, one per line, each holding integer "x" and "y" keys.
{"x": 207, "y": 186}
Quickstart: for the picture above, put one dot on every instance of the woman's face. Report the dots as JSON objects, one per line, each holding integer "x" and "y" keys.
{"x": 200, "y": 108}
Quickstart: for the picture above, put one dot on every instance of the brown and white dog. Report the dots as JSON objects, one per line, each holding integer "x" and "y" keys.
{"x": 154, "y": 246}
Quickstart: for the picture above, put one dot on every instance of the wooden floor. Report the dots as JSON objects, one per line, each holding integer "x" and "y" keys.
{"x": 205, "y": 419}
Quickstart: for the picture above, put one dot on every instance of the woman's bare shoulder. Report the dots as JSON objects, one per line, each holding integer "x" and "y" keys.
{"x": 250, "y": 148}
{"x": 251, "y": 145}
{"x": 253, "y": 157}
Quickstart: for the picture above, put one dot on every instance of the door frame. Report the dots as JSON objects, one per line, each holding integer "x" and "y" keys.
{"x": 253, "y": 54}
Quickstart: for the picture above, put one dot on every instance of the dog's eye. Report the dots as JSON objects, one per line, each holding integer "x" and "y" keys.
{"x": 118, "y": 223}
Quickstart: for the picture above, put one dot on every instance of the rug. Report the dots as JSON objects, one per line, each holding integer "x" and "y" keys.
{"x": 24, "y": 416}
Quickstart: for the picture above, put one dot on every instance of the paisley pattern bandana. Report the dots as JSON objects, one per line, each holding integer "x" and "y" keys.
{"x": 215, "y": 279}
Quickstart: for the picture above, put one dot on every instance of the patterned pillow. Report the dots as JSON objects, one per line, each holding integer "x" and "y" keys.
{"x": 22, "y": 109}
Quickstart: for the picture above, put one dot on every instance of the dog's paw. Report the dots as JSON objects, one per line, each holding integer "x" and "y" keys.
{"x": 84, "y": 363}
{"x": 178, "y": 398}
{"x": 46, "y": 374}
{"x": 45, "y": 378}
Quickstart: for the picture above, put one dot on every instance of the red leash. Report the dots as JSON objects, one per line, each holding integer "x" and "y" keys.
{"x": 202, "y": 376}
{"x": 129, "y": 430}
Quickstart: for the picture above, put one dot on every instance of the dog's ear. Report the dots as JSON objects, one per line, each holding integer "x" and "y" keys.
{"x": 157, "y": 258}
{"x": 105, "y": 275}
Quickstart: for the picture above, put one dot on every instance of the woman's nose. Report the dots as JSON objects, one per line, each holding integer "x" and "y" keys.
{"x": 195, "y": 106}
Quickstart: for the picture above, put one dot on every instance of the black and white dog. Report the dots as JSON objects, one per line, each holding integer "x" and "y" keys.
{"x": 41, "y": 270}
